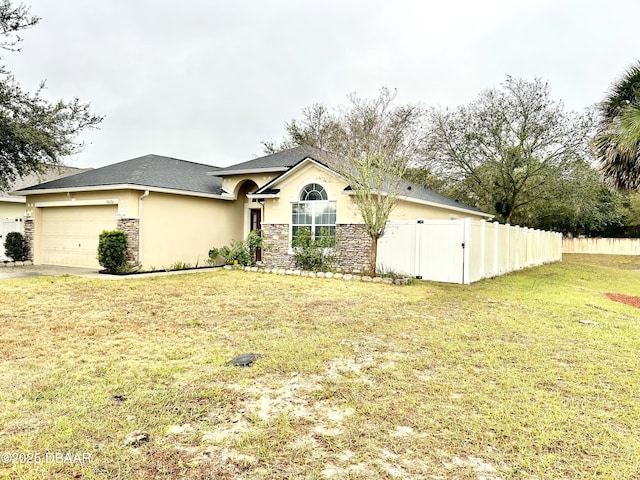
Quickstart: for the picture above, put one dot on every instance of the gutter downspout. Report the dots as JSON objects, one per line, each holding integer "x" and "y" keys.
{"x": 143, "y": 196}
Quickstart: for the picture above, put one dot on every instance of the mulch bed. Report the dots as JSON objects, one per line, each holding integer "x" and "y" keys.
{"x": 626, "y": 299}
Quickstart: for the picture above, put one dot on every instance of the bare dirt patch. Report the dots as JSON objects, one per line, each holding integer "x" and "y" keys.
{"x": 626, "y": 299}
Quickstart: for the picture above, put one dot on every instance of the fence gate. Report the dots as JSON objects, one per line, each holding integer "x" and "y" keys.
{"x": 8, "y": 226}
{"x": 427, "y": 249}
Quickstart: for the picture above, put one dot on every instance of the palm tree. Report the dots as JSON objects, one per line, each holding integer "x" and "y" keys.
{"x": 617, "y": 143}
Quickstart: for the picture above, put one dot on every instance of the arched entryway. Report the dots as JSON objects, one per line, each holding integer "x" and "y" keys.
{"x": 250, "y": 210}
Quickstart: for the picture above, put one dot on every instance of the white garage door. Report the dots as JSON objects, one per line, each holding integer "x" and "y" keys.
{"x": 70, "y": 234}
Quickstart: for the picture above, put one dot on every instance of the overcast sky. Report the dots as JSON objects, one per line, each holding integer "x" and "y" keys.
{"x": 207, "y": 81}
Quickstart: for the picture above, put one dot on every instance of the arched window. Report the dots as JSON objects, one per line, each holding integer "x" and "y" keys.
{"x": 314, "y": 212}
{"x": 312, "y": 192}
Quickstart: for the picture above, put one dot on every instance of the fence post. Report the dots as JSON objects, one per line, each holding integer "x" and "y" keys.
{"x": 517, "y": 249}
{"x": 483, "y": 226}
{"x": 508, "y": 264}
{"x": 466, "y": 242}
{"x": 496, "y": 247}
{"x": 418, "y": 249}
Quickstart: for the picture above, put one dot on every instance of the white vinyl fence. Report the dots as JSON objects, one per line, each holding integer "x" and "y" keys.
{"x": 464, "y": 250}
{"x": 7, "y": 226}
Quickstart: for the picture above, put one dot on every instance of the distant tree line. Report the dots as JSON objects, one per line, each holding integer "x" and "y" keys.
{"x": 514, "y": 152}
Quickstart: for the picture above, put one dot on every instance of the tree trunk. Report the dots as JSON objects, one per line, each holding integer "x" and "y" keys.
{"x": 373, "y": 257}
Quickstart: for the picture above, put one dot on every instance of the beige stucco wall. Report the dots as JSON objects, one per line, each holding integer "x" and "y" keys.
{"x": 408, "y": 211}
{"x": 278, "y": 210}
{"x": 127, "y": 200}
{"x": 180, "y": 228}
{"x": 12, "y": 209}
{"x": 233, "y": 183}
{"x": 173, "y": 228}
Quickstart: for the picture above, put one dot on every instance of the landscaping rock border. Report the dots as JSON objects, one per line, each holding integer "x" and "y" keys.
{"x": 10, "y": 263}
{"x": 306, "y": 273}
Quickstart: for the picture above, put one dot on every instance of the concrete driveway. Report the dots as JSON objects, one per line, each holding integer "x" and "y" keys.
{"x": 10, "y": 270}
{"x": 19, "y": 270}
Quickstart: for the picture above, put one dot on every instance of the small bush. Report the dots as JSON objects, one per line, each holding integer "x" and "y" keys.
{"x": 112, "y": 250}
{"x": 243, "y": 252}
{"x": 16, "y": 247}
{"x": 313, "y": 254}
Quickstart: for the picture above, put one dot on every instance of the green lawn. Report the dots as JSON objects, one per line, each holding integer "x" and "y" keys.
{"x": 533, "y": 375}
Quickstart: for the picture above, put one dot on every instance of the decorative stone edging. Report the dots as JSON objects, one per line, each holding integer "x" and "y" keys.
{"x": 306, "y": 273}
{"x": 10, "y": 263}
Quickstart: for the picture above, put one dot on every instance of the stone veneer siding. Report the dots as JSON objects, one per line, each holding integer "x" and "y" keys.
{"x": 276, "y": 238}
{"x": 30, "y": 235}
{"x": 353, "y": 247}
{"x": 131, "y": 229}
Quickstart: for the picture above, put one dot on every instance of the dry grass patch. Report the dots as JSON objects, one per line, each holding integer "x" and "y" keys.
{"x": 532, "y": 375}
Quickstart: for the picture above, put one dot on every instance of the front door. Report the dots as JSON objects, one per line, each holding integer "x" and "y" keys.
{"x": 256, "y": 224}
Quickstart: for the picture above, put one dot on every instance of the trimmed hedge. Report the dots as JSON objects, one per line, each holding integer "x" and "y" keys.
{"x": 112, "y": 250}
{"x": 16, "y": 247}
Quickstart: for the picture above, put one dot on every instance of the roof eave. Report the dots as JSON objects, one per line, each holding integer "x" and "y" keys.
{"x": 224, "y": 173}
{"x": 14, "y": 199}
{"x": 443, "y": 205}
{"x": 431, "y": 204}
{"x": 262, "y": 195}
{"x": 95, "y": 188}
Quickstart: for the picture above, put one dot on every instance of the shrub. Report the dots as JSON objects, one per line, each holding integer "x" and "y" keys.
{"x": 16, "y": 247}
{"x": 313, "y": 254}
{"x": 112, "y": 250}
{"x": 243, "y": 252}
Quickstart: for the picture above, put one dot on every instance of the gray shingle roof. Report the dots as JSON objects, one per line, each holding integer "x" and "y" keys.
{"x": 291, "y": 157}
{"x": 279, "y": 161}
{"x": 174, "y": 174}
{"x": 147, "y": 171}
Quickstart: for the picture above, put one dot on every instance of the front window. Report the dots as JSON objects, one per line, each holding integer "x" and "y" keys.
{"x": 314, "y": 212}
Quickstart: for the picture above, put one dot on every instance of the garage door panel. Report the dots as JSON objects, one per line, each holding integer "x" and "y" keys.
{"x": 70, "y": 234}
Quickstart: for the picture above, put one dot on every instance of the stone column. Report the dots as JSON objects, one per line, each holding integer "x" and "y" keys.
{"x": 276, "y": 239}
{"x": 353, "y": 248}
{"x": 29, "y": 235}
{"x": 131, "y": 229}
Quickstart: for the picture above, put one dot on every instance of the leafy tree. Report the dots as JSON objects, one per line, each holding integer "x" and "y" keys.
{"x": 34, "y": 133}
{"x": 576, "y": 202}
{"x": 632, "y": 213}
{"x": 617, "y": 143}
{"x": 372, "y": 141}
{"x": 501, "y": 150}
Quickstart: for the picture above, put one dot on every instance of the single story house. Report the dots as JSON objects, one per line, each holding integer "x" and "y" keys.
{"x": 175, "y": 210}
